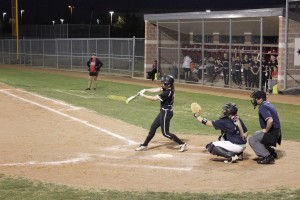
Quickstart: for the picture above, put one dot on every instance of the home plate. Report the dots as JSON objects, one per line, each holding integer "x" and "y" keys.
{"x": 162, "y": 156}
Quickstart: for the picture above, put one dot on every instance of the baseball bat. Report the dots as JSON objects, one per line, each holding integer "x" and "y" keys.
{"x": 131, "y": 98}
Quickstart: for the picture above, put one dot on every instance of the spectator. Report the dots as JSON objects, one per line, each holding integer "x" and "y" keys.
{"x": 94, "y": 65}
{"x": 255, "y": 68}
{"x": 246, "y": 64}
{"x": 265, "y": 72}
{"x": 225, "y": 63}
{"x": 218, "y": 69}
{"x": 154, "y": 71}
{"x": 186, "y": 65}
{"x": 274, "y": 80}
{"x": 194, "y": 73}
{"x": 238, "y": 73}
{"x": 210, "y": 70}
{"x": 272, "y": 63}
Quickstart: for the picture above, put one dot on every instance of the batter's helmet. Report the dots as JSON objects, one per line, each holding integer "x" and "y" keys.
{"x": 229, "y": 109}
{"x": 167, "y": 80}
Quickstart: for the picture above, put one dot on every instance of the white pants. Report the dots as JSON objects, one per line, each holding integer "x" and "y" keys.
{"x": 235, "y": 148}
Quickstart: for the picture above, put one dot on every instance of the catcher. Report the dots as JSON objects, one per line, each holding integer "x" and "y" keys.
{"x": 232, "y": 141}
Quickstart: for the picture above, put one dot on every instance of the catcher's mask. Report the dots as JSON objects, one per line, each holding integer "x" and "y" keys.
{"x": 229, "y": 109}
{"x": 167, "y": 80}
{"x": 257, "y": 95}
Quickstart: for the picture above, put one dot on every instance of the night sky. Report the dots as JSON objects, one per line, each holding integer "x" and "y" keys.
{"x": 44, "y": 11}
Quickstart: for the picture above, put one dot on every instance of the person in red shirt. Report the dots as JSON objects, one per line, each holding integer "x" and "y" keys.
{"x": 94, "y": 65}
{"x": 274, "y": 73}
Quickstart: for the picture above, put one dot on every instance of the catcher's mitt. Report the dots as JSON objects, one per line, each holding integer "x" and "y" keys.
{"x": 196, "y": 109}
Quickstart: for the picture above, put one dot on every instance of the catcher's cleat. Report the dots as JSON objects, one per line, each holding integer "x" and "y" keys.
{"x": 182, "y": 147}
{"x": 232, "y": 159}
{"x": 142, "y": 148}
{"x": 241, "y": 156}
{"x": 266, "y": 160}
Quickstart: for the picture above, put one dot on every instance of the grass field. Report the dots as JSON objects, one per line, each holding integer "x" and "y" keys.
{"x": 109, "y": 100}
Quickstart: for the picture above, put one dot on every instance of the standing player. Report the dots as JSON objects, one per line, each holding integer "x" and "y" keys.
{"x": 94, "y": 65}
{"x": 163, "y": 118}
{"x": 233, "y": 138}
{"x": 246, "y": 64}
{"x": 238, "y": 71}
{"x": 264, "y": 139}
{"x": 255, "y": 70}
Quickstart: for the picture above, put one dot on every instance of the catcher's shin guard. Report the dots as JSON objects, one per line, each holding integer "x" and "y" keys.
{"x": 219, "y": 151}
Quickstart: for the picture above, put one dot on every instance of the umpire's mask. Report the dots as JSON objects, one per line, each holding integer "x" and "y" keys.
{"x": 257, "y": 95}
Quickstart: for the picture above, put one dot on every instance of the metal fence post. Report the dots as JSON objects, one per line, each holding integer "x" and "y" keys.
{"x": 71, "y": 54}
{"x": 109, "y": 55}
{"x": 9, "y": 52}
{"x": 56, "y": 51}
{"x": 43, "y": 53}
{"x": 133, "y": 57}
{"x": 3, "y": 51}
{"x": 30, "y": 53}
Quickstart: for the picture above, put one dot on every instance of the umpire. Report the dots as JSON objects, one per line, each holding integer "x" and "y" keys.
{"x": 263, "y": 140}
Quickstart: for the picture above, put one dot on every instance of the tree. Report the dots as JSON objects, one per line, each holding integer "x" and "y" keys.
{"x": 128, "y": 26}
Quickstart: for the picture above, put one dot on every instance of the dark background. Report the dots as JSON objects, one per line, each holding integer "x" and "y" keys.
{"x": 132, "y": 11}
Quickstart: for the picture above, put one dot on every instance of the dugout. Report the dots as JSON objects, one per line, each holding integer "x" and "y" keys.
{"x": 169, "y": 36}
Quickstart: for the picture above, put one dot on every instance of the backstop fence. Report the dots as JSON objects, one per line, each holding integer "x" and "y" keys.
{"x": 120, "y": 56}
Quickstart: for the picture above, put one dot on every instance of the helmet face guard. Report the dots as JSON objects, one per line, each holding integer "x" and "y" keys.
{"x": 254, "y": 102}
{"x": 229, "y": 110}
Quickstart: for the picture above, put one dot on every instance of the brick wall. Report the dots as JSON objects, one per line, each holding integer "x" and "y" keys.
{"x": 293, "y": 32}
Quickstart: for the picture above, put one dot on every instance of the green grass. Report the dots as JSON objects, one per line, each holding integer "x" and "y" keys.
{"x": 141, "y": 113}
{"x": 19, "y": 188}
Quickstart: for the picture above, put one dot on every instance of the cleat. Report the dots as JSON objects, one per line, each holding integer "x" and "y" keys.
{"x": 233, "y": 159}
{"x": 142, "y": 148}
{"x": 182, "y": 147}
{"x": 274, "y": 154}
{"x": 266, "y": 160}
{"x": 240, "y": 156}
{"x": 88, "y": 89}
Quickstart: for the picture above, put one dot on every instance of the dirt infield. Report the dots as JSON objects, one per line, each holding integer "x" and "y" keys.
{"x": 51, "y": 141}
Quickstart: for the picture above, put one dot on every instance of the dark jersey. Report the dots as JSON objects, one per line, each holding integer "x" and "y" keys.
{"x": 166, "y": 99}
{"x": 230, "y": 130}
{"x": 267, "y": 110}
{"x": 225, "y": 62}
{"x": 255, "y": 66}
{"x": 246, "y": 64}
{"x": 237, "y": 65}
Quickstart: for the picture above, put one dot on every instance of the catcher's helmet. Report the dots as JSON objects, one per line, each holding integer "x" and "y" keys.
{"x": 257, "y": 95}
{"x": 229, "y": 109}
{"x": 167, "y": 80}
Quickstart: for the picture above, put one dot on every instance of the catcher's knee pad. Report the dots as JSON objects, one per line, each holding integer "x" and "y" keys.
{"x": 219, "y": 151}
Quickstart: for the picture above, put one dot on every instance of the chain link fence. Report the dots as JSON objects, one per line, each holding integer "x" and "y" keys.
{"x": 64, "y": 31}
{"x": 119, "y": 56}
